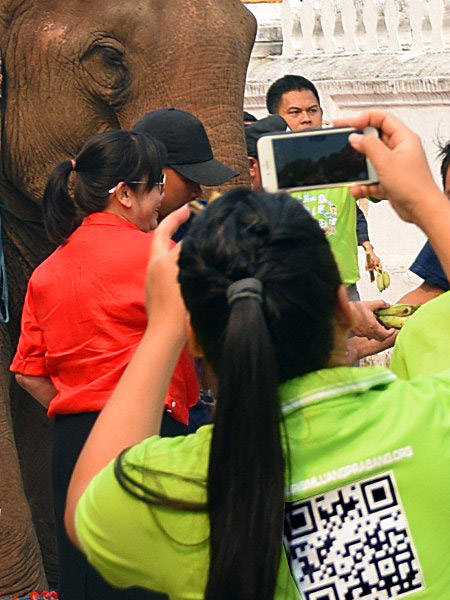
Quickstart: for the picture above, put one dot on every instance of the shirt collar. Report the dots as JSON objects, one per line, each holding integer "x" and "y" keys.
{"x": 330, "y": 383}
{"x": 104, "y": 218}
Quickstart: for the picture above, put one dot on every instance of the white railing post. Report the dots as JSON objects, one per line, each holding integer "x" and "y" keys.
{"x": 436, "y": 13}
{"x": 370, "y": 22}
{"x": 392, "y": 21}
{"x": 416, "y": 14}
{"x": 328, "y": 23}
{"x": 348, "y": 15}
{"x": 307, "y": 21}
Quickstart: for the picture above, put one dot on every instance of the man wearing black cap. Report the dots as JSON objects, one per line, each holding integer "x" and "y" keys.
{"x": 190, "y": 161}
{"x": 271, "y": 124}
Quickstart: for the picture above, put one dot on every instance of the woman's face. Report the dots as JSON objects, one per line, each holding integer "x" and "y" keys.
{"x": 145, "y": 207}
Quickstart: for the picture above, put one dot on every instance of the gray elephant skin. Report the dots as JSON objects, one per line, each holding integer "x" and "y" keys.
{"x": 72, "y": 68}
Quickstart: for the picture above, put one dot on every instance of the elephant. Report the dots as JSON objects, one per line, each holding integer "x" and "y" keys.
{"x": 72, "y": 68}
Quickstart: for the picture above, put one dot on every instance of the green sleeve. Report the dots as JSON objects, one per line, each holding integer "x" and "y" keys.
{"x": 133, "y": 544}
{"x": 398, "y": 364}
{"x": 423, "y": 345}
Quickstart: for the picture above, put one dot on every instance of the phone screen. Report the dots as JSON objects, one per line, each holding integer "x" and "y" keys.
{"x": 324, "y": 159}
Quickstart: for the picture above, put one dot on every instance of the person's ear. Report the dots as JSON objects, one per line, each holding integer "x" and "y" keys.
{"x": 252, "y": 165}
{"x": 253, "y": 168}
{"x": 344, "y": 314}
{"x": 124, "y": 194}
{"x": 193, "y": 345}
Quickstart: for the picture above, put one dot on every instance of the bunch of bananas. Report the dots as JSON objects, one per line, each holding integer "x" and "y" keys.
{"x": 395, "y": 315}
{"x": 383, "y": 280}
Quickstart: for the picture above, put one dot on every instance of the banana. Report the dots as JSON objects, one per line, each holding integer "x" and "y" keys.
{"x": 383, "y": 280}
{"x": 380, "y": 282}
{"x": 397, "y": 310}
{"x": 392, "y": 321}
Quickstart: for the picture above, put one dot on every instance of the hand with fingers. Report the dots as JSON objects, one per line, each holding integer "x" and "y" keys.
{"x": 404, "y": 178}
{"x": 399, "y": 160}
{"x": 365, "y": 322}
{"x": 163, "y": 297}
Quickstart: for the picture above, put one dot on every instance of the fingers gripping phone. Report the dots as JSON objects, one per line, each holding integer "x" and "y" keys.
{"x": 311, "y": 159}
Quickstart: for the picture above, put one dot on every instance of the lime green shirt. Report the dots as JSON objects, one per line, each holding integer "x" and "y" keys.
{"x": 423, "y": 345}
{"x": 366, "y": 501}
{"x": 335, "y": 209}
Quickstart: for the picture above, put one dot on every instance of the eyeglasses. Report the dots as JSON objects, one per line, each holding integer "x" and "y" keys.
{"x": 160, "y": 184}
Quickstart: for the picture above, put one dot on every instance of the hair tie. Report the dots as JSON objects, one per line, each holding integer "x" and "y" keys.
{"x": 249, "y": 287}
{"x": 73, "y": 163}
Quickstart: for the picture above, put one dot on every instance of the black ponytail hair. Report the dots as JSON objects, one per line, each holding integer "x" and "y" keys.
{"x": 104, "y": 160}
{"x": 253, "y": 347}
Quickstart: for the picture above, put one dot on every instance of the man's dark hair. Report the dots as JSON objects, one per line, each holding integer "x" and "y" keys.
{"x": 444, "y": 153}
{"x": 255, "y": 130}
{"x": 288, "y": 83}
{"x": 248, "y": 117}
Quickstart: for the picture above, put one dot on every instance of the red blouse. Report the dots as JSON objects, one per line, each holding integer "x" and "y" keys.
{"x": 84, "y": 315}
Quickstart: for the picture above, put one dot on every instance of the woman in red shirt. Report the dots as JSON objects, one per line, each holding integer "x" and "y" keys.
{"x": 84, "y": 311}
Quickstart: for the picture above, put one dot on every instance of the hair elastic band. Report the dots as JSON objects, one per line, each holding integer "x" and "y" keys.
{"x": 73, "y": 163}
{"x": 249, "y": 287}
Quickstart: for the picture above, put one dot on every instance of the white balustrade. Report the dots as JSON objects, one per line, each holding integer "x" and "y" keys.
{"x": 353, "y": 26}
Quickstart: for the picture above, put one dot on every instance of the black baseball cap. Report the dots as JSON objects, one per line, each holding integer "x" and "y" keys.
{"x": 188, "y": 149}
{"x": 254, "y": 131}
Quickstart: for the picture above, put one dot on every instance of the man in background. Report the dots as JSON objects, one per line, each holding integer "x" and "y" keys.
{"x": 296, "y": 99}
{"x": 190, "y": 160}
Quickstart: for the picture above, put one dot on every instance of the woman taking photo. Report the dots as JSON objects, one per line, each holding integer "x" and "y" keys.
{"x": 305, "y": 449}
{"x": 84, "y": 310}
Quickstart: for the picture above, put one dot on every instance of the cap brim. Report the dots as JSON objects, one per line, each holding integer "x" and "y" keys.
{"x": 210, "y": 172}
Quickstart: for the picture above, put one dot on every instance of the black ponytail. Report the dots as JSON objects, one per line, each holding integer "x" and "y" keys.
{"x": 246, "y": 466}
{"x": 59, "y": 211}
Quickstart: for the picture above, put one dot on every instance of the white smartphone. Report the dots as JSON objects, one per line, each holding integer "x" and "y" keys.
{"x": 311, "y": 159}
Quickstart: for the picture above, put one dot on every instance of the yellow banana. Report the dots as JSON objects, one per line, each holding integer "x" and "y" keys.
{"x": 397, "y": 310}
{"x": 392, "y": 321}
{"x": 386, "y": 279}
{"x": 380, "y": 282}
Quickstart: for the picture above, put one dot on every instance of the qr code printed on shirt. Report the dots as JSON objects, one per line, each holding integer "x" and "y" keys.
{"x": 353, "y": 542}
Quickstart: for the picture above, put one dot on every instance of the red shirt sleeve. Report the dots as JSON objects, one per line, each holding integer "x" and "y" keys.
{"x": 31, "y": 350}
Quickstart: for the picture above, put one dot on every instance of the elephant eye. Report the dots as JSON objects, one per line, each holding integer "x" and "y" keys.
{"x": 108, "y": 71}
{"x": 111, "y": 56}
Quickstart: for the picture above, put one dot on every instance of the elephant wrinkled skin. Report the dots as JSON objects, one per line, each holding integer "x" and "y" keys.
{"x": 72, "y": 68}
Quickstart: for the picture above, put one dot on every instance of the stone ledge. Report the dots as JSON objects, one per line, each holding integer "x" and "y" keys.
{"x": 361, "y": 66}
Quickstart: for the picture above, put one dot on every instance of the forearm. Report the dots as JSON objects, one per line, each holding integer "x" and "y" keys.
{"x": 420, "y": 295}
{"x": 41, "y": 388}
{"x": 360, "y": 347}
{"x": 133, "y": 412}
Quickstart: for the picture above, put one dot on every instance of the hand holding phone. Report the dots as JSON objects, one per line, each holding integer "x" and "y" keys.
{"x": 311, "y": 159}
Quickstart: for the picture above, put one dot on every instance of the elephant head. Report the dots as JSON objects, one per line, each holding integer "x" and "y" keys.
{"x": 72, "y": 68}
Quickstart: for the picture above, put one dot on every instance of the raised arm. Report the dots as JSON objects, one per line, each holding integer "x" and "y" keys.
{"x": 405, "y": 178}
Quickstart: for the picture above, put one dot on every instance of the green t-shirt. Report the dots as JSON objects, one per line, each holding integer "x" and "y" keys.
{"x": 423, "y": 345}
{"x": 367, "y": 502}
{"x": 335, "y": 209}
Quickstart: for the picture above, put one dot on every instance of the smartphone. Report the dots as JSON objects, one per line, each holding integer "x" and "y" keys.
{"x": 311, "y": 159}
